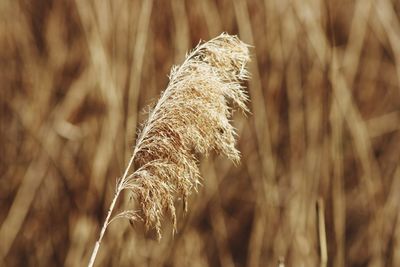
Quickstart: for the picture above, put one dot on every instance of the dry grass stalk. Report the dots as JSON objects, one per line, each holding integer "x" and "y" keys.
{"x": 190, "y": 118}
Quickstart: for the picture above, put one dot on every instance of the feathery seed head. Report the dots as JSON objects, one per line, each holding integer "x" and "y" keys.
{"x": 191, "y": 117}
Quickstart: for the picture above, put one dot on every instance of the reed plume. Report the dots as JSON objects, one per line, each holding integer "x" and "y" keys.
{"x": 191, "y": 118}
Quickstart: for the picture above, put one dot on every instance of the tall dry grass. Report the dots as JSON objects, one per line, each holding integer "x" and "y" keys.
{"x": 191, "y": 118}
{"x": 324, "y": 99}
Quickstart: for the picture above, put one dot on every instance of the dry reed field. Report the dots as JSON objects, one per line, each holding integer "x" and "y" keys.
{"x": 318, "y": 180}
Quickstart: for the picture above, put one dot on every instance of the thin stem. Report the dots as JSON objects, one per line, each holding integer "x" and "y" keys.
{"x": 110, "y": 210}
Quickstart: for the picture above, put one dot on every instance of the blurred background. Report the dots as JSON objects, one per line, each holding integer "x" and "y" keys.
{"x": 319, "y": 181}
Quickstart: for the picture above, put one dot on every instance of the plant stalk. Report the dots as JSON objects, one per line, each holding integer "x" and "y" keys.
{"x": 110, "y": 210}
